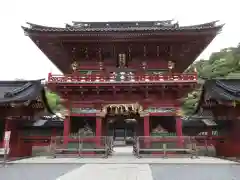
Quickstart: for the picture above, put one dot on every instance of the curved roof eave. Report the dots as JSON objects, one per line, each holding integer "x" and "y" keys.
{"x": 72, "y": 28}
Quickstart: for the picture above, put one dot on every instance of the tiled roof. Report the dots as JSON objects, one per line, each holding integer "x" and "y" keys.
{"x": 22, "y": 91}
{"x": 122, "y": 26}
{"x": 44, "y": 122}
{"x": 18, "y": 91}
{"x": 198, "y": 120}
{"x": 219, "y": 90}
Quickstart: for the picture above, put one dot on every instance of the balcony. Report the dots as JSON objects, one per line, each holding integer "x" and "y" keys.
{"x": 122, "y": 78}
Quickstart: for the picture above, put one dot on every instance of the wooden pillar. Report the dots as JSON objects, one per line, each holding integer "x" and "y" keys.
{"x": 98, "y": 130}
{"x": 179, "y": 130}
{"x": 66, "y": 124}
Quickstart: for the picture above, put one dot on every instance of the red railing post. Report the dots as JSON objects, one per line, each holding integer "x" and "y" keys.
{"x": 179, "y": 130}
{"x": 49, "y": 77}
{"x": 137, "y": 77}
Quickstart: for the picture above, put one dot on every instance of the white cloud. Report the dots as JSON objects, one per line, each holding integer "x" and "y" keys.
{"x": 20, "y": 58}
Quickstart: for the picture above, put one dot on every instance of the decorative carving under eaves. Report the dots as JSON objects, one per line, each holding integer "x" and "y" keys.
{"x": 144, "y": 113}
{"x": 19, "y": 104}
{"x": 163, "y": 109}
{"x": 122, "y": 108}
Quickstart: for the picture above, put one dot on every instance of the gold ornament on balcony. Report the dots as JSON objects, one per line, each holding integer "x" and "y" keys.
{"x": 74, "y": 66}
{"x": 171, "y": 65}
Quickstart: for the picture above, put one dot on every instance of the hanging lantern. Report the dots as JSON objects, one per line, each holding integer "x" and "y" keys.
{"x": 144, "y": 51}
{"x": 171, "y": 65}
{"x": 86, "y": 53}
{"x": 122, "y": 60}
{"x": 101, "y": 65}
{"x": 158, "y": 51}
{"x": 74, "y": 66}
{"x": 100, "y": 54}
{"x": 144, "y": 65}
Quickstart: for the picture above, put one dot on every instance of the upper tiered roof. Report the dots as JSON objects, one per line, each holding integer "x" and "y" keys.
{"x": 64, "y": 45}
{"x": 123, "y": 26}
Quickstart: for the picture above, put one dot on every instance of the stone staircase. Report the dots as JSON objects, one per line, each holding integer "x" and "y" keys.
{"x": 122, "y": 152}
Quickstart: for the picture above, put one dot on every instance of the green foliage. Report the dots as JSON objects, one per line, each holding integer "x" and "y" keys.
{"x": 54, "y": 101}
{"x": 190, "y": 102}
{"x": 224, "y": 64}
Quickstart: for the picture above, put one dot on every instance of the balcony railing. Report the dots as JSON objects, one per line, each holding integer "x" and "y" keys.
{"x": 121, "y": 78}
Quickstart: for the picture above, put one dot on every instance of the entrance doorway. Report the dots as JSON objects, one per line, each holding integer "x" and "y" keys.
{"x": 122, "y": 121}
{"x": 122, "y": 129}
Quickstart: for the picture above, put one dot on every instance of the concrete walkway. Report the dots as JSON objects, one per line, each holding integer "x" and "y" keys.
{"x": 110, "y": 172}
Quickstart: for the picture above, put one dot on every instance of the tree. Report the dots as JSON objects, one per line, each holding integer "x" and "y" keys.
{"x": 222, "y": 64}
{"x": 54, "y": 101}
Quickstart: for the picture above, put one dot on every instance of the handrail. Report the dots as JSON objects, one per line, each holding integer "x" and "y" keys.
{"x": 100, "y": 78}
{"x": 104, "y": 145}
{"x": 166, "y": 145}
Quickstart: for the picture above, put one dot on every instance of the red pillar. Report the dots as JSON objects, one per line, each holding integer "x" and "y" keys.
{"x": 66, "y": 129}
{"x": 179, "y": 130}
{"x": 66, "y": 124}
{"x": 98, "y": 130}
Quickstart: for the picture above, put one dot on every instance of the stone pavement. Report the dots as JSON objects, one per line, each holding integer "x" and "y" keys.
{"x": 121, "y": 166}
{"x": 171, "y": 171}
{"x": 122, "y": 160}
{"x": 110, "y": 172}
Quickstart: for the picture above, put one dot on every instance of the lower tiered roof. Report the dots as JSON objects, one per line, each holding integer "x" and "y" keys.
{"x": 20, "y": 94}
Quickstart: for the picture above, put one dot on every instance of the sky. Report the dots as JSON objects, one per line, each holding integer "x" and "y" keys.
{"x": 21, "y": 59}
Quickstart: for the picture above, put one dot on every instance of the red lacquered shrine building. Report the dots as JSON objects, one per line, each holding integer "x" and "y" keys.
{"x": 122, "y": 78}
{"x": 221, "y": 99}
{"x": 20, "y": 102}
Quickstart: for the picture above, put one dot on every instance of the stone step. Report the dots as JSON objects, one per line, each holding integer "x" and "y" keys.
{"x": 119, "y": 143}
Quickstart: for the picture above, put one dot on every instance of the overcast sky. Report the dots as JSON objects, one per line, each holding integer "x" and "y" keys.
{"x": 20, "y": 58}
